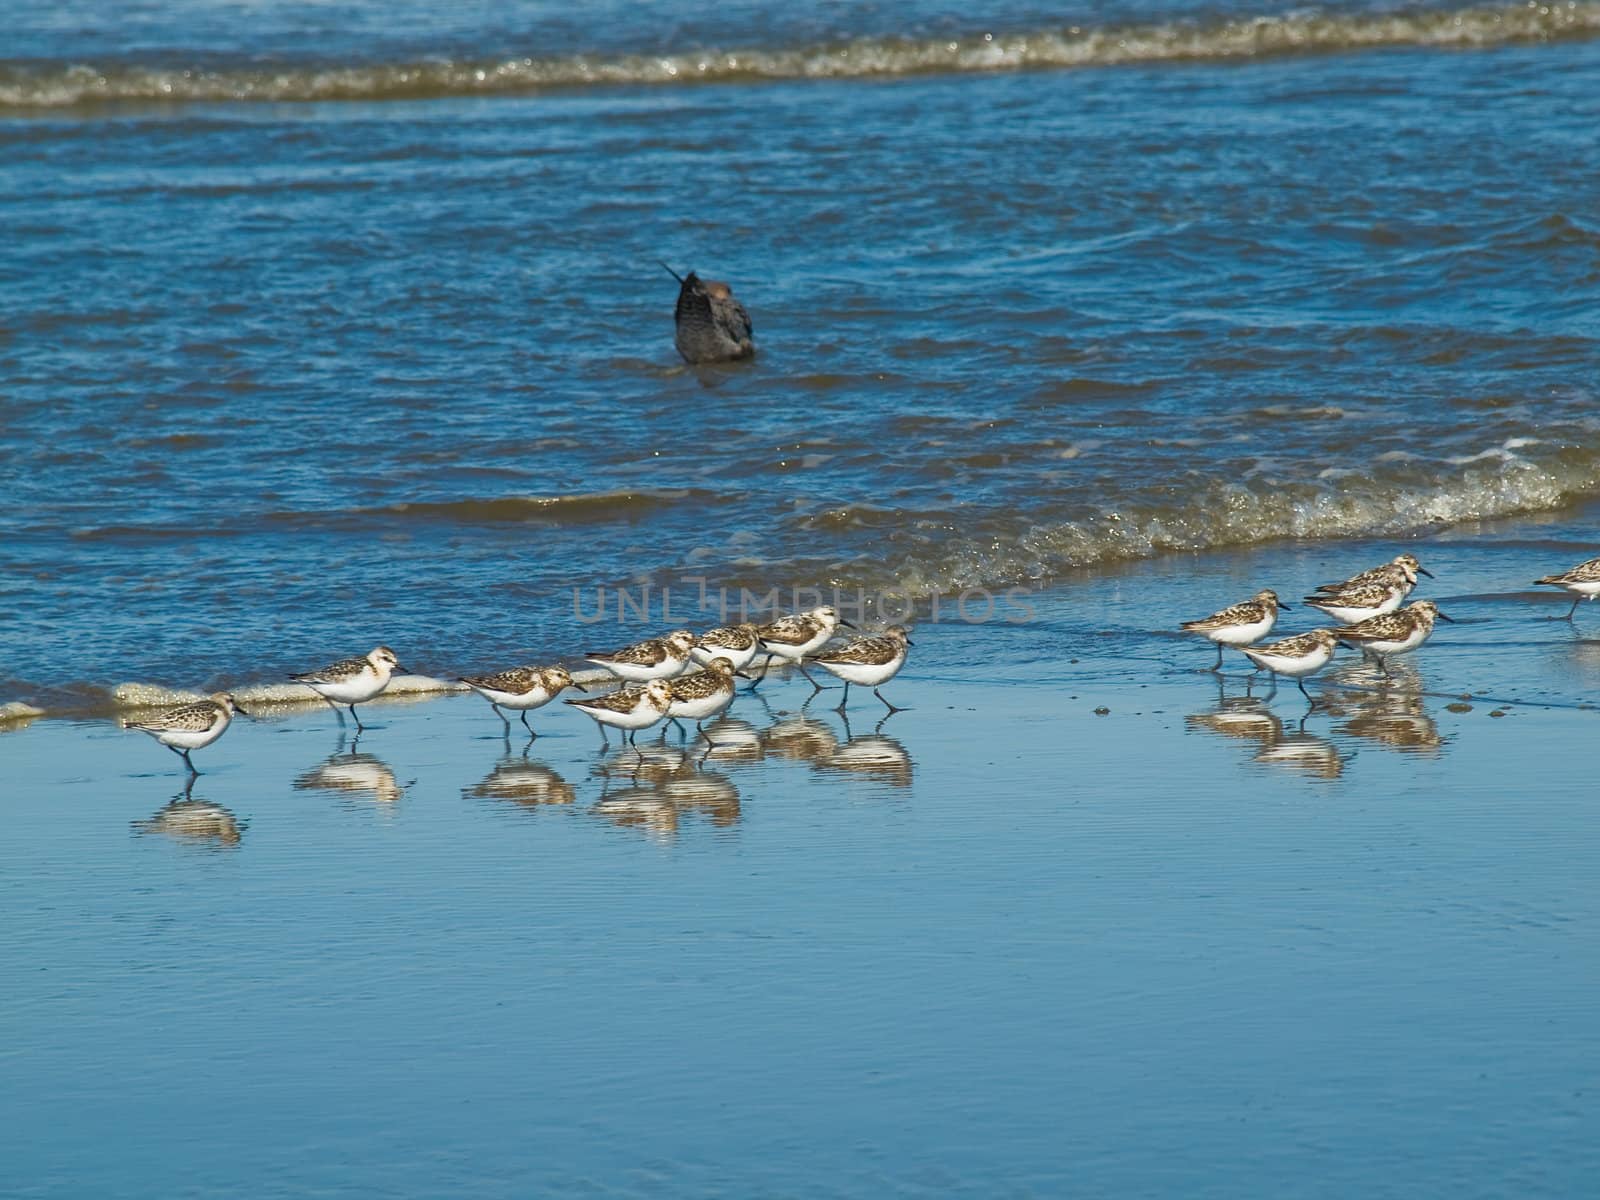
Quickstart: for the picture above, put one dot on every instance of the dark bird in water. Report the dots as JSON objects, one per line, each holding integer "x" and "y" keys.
{"x": 711, "y": 325}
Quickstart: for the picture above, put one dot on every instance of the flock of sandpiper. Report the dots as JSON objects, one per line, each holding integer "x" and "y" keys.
{"x": 1368, "y": 609}
{"x": 661, "y": 685}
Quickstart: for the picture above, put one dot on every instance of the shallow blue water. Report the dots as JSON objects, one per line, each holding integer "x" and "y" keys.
{"x": 1001, "y": 945}
{"x": 283, "y": 380}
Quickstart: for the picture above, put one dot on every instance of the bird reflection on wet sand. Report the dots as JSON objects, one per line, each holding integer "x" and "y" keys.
{"x": 1248, "y": 718}
{"x": 664, "y": 785}
{"x": 1245, "y": 717}
{"x": 524, "y": 781}
{"x": 799, "y": 738}
{"x": 355, "y": 773}
{"x": 875, "y": 755}
{"x": 1304, "y": 752}
{"x": 796, "y": 737}
{"x": 198, "y": 822}
{"x": 638, "y": 808}
{"x": 709, "y": 793}
{"x": 1359, "y": 673}
{"x": 1397, "y": 720}
{"x": 733, "y": 741}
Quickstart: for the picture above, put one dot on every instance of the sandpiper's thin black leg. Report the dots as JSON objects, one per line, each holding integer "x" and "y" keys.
{"x": 846, "y": 699}
{"x": 501, "y": 715}
{"x": 1573, "y": 611}
{"x": 1302, "y": 685}
{"x": 815, "y": 686}
{"x": 757, "y": 680}
{"x": 525, "y": 724}
{"x": 333, "y": 704}
{"x": 357, "y": 719}
{"x": 1218, "y": 667}
{"x": 894, "y": 708}
{"x": 1383, "y": 666}
{"x": 189, "y": 762}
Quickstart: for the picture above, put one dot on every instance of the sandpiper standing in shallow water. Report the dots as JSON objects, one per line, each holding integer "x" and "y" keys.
{"x": 1583, "y": 581}
{"x": 1298, "y": 656}
{"x": 1360, "y": 602}
{"x": 1239, "y": 624}
{"x": 1393, "y": 633}
{"x": 711, "y": 326}
{"x": 703, "y": 695}
{"x": 1402, "y": 569}
{"x": 190, "y": 726}
{"x": 658, "y": 658}
{"x": 630, "y": 709}
{"x": 523, "y": 688}
{"x": 736, "y": 643}
{"x": 353, "y": 681}
{"x": 869, "y": 661}
{"x": 793, "y": 637}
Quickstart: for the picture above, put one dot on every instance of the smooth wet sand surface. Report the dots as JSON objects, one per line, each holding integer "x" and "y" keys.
{"x": 1002, "y": 945}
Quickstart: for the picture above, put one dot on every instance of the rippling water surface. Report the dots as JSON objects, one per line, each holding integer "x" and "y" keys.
{"x": 313, "y": 338}
{"x": 327, "y": 323}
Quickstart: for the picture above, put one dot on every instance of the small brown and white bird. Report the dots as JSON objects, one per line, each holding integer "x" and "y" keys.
{"x": 869, "y": 661}
{"x": 1239, "y": 624}
{"x": 353, "y": 681}
{"x": 1402, "y": 569}
{"x": 703, "y": 695}
{"x": 1298, "y": 656}
{"x": 190, "y": 726}
{"x": 657, "y": 658}
{"x": 1393, "y": 633}
{"x": 629, "y": 709}
{"x": 523, "y": 688}
{"x": 793, "y": 637}
{"x": 1360, "y": 602}
{"x": 1583, "y": 581}
{"x": 711, "y": 326}
{"x": 736, "y": 643}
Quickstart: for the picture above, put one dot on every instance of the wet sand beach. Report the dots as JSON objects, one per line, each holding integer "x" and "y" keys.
{"x": 1000, "y": 943}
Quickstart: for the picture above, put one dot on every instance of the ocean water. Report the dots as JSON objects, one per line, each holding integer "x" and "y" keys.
{"x": 325, "y": 324}
{"x": 331, "y": 324}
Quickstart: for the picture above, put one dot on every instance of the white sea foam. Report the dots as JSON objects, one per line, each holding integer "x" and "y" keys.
{"x": 1242, "y": 38}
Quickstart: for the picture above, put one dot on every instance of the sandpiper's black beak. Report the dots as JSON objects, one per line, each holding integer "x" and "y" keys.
{"x": 671, "y": 272}
{"x": 243, "y": 712}
{"x": 847, "y": 624}
{"x": 1281, "y": 604}
{"x": 1442, "y": 617}
{"x": 1424, "y": 571}
{"x": 397, "y": 669}
{"x": 909, "y": 642}
{"x": 580, "y": 687}
{"x": 742, "y": 675}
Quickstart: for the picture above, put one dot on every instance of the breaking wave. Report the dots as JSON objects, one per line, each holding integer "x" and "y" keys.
{"x": 1393, "y": 498}
{"x": 60, "y": 85}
